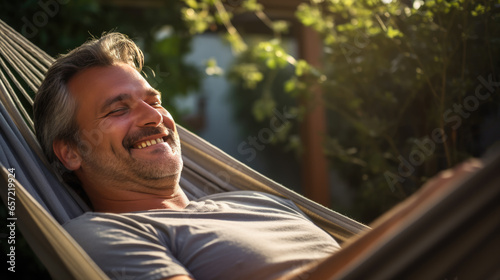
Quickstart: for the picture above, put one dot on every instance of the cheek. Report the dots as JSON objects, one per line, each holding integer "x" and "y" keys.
{"x": 168, "y": 120}
{"x": 107, "y": 126}
{"x": 108, "y": 131}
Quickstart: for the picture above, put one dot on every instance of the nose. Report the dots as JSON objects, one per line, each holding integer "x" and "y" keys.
{"x": 148, "y": 115}
{"x": 153, "y": 116}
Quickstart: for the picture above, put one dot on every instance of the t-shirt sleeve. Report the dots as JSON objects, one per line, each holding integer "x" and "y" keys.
{"x": 124, "y": 249}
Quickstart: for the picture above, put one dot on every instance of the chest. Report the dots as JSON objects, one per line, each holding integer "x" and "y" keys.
{"x": 243, "y": 244}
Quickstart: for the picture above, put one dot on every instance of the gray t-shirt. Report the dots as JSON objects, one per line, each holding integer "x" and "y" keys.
{"x": 232, "y": 235}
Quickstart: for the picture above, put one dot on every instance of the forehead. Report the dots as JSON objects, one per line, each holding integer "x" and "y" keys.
{"x": 102, "y": 81}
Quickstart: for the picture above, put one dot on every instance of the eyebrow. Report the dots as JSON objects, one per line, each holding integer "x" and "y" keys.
{"x": 154, "y": 92}
{"x": 125, "y": 96}
{"x": 112, "y": 100}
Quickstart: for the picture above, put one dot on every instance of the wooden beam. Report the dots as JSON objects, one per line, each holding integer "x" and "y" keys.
{"x": 315, "y": 181}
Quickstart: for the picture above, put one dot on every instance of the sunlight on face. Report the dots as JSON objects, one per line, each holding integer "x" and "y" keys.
{"x": 136, "y": 137}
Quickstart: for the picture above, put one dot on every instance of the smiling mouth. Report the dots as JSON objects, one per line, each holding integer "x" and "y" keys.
{"x": 149, "y": 143}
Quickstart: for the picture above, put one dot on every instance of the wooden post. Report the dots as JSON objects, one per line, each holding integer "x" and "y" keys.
{"x": 315, "y": 182}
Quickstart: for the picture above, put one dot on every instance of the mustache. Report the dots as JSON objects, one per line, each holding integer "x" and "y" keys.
{"x": 129, "y": 140}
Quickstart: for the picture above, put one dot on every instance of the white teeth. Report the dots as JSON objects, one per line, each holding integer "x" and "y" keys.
{"x": 148, "y": 143}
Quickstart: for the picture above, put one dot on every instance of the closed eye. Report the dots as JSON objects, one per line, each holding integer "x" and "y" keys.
{"x": 117, "y": 112}
{"x": 156, "y": 104}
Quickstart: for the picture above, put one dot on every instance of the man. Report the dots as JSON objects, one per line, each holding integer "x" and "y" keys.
{"x": 143, "y": 225}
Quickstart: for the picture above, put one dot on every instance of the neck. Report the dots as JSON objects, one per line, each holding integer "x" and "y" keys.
{"x": 123, "y": 201}
{"x": 130, "y": 194}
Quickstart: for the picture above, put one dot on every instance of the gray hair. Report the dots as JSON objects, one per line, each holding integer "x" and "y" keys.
{"x": 55, "y": 108}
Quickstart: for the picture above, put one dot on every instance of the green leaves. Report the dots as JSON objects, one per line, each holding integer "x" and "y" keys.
{"x": 198, "y": 19}
{"x": 249, "y": 73}
{"x": 252, "y": 5}
{"x": 294, "y": 86}
{"x": 263, "y": 107}
{"x": 212, "y": 69}
{"x": 310, "y": 16}
{"x": 302, "y": 68}
{"x": 393, "y": 33}
{"x": 280, "y": 26}
{"x": 272, "y": 53}
{"x": 478, "y": 10}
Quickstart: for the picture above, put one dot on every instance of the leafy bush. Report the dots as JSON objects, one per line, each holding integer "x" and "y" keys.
{"x": 409, "y": 86}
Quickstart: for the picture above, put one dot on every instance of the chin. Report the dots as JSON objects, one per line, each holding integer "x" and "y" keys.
{"x": 162, "y": 170}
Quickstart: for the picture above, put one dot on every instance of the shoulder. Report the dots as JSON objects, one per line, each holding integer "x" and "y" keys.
{"x": 120, "y": 244}
{"x": 94, "y": 228}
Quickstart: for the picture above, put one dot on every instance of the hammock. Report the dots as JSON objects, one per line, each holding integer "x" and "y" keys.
{"x": 42, "y": 202}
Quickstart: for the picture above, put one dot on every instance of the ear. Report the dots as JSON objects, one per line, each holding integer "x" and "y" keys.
{"x": 67, "y": 154}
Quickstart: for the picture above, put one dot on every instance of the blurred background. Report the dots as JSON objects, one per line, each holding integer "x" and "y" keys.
{"x": 354, "y": 104}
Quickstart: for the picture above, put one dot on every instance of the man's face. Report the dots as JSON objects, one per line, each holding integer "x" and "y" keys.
{"x": 126, "y": 136}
